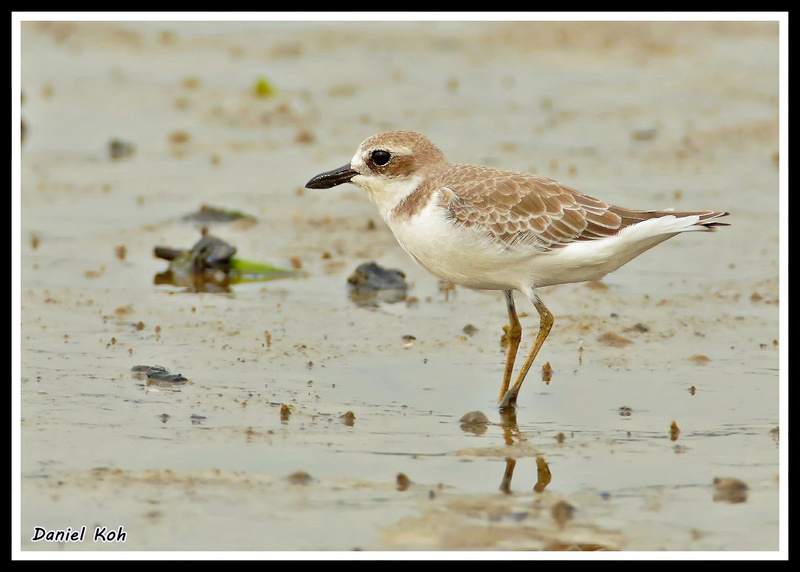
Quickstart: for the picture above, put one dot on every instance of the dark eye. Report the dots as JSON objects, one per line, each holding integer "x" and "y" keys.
{"x": 380, "y": 157}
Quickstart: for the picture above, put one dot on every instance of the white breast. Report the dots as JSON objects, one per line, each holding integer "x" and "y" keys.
{"x": 465, "y": 256}
{"x": 474, "y": 259}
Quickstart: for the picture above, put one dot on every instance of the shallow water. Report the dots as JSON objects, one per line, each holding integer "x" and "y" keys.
{"x": 639, "y": 114}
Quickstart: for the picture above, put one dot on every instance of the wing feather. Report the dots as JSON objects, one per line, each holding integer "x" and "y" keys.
{"x": 524, "y": 208}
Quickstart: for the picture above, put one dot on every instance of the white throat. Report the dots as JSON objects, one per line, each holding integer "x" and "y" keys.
{"x": 385, "y": 192}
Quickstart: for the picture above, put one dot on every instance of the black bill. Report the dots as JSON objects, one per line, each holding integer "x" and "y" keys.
{"x": 330, "y": 179}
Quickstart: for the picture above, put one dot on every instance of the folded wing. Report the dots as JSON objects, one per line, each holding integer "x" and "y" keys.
{"x": 521, "y": 208}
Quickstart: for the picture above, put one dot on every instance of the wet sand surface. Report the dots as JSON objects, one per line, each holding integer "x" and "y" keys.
{"x": 313, "y": 422}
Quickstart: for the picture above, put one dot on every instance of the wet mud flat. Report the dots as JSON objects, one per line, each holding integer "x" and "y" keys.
{"x": 308, "y": 418}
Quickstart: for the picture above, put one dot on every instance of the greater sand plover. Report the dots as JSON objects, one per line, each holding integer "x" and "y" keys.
{"x": 492, "y": 229}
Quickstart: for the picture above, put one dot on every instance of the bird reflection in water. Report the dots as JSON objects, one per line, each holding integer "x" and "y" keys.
{"x": 477, "y": 423}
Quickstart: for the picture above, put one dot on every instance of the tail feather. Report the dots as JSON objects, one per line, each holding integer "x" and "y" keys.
{"x": 707, "y": 219}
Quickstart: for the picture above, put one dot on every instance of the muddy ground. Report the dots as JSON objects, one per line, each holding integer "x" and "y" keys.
{"x": 314, "y": 422}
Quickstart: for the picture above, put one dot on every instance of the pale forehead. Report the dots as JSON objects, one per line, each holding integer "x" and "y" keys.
{"x": 393, "y": 141}
{"x": 400, "y": 143}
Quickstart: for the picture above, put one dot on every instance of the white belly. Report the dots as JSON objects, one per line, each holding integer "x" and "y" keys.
{"x": 471, "y": 258}
{"x": 464, "y": 256}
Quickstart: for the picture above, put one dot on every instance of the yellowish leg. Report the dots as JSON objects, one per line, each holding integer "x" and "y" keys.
{"x": 513, "y": 336}
{"x": 509, "y": 399}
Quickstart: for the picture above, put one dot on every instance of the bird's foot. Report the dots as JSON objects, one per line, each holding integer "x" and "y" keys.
{"x": 509, "y": 401}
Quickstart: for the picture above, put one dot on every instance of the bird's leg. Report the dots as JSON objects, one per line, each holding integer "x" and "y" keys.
{"x": 513, "y": 337}
{"x": 545, "y": 323}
